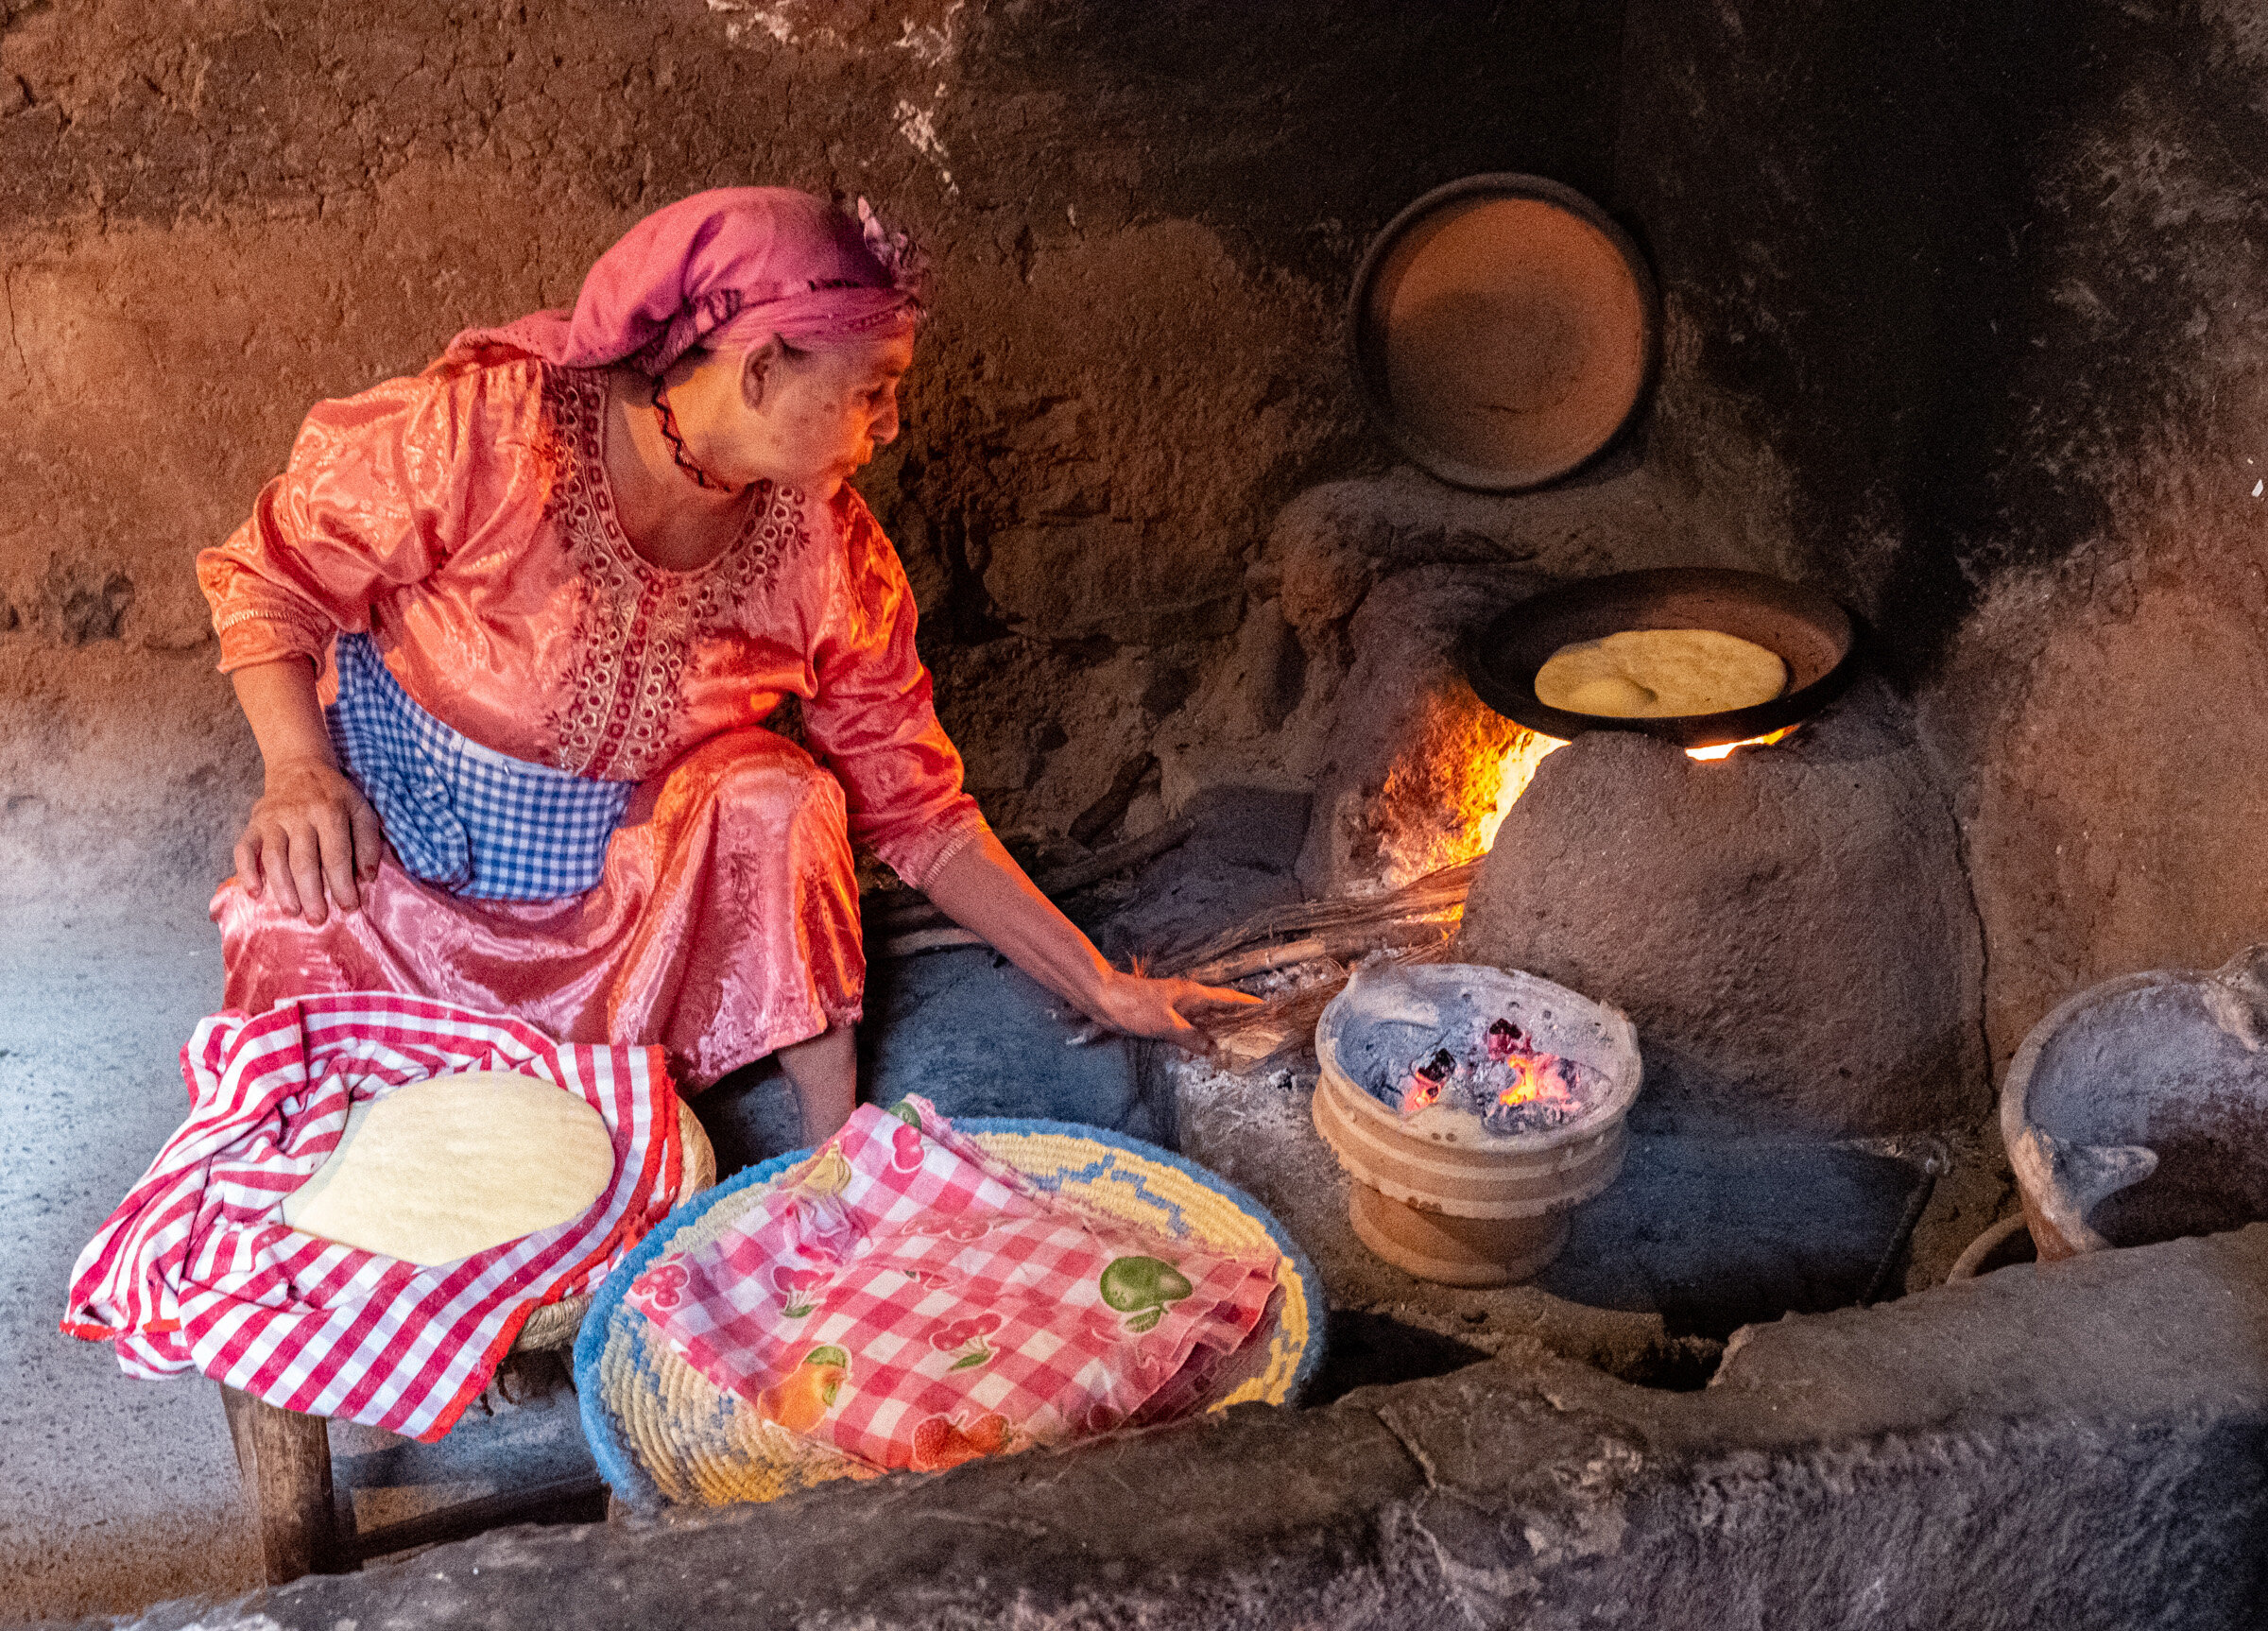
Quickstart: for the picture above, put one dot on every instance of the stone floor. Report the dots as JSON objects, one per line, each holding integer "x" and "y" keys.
{"x": 118, "y": 1492}
{"x": 1695, "y": 1238}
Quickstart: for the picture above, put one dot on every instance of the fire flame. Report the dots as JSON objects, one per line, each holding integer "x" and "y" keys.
{"x": 1535, "y": 1074}
{"x": 1518, "y": 765}
{"x": 1724, "y": 750}
{"x": 1536, "y": 1077}
{"x": 1514, "y": 772}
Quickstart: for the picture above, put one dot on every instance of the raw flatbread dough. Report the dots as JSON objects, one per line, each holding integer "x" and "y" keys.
{"x": 1661, "y": 672}
{"x": 440, "y": 1169}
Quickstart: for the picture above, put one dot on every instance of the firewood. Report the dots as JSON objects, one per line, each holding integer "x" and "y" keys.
{"x": 1242, "y": 965}
{"x": 1245, "y": 1039}
{"x": 920, "y": 941}
{"x": 1437, "y": 895}
{"x": 1339, "y": 944}
{"x": 1117, "y": 858}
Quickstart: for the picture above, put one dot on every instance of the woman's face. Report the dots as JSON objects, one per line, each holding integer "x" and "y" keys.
{"x": 813, "y": 420}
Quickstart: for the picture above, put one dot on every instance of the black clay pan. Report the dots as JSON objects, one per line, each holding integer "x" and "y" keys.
{"x": 1813, "y": 635}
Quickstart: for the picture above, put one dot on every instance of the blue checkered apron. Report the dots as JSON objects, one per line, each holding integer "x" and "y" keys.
{"x": 475, "y": 821}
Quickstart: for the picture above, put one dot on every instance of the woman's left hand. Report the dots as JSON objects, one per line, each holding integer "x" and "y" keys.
{"x": 1162, "y": 1009}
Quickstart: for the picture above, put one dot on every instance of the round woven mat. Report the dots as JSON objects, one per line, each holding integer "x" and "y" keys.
{"x": 665, "y": 1434}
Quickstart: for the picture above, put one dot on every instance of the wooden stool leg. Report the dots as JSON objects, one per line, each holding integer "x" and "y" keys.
{"x": 284, "y": 1459}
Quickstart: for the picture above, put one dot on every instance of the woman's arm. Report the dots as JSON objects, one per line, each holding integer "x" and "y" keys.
{"x": 312, "y": 830}
{"x": 980, "y": 887}
{"x": 377, "y": 486}
{"x": 873, "y": 724}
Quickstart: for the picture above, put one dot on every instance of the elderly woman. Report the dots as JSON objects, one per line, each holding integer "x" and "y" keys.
{"x": 505, "y": 633}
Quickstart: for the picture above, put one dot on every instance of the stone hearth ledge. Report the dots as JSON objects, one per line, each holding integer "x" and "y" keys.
{"x": 2077, "y": 1444}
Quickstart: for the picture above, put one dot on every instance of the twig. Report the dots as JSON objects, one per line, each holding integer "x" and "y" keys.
{"x": 1338, "y": 945}
{"x": 1435, "y": 894}
{"x": 1117, "y": 858}
{"x": 1242, "y": 965}
{"x": 1246, "y": 1039}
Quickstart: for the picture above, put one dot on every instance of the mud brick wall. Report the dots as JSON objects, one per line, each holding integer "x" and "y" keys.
{"x": 1978, "y": 288}
{"x": 216, "y": 211}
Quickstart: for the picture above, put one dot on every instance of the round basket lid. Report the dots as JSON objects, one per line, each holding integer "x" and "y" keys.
{"x": 1503, "y": 330}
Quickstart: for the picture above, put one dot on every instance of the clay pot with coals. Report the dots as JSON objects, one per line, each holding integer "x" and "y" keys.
{"x": 1435, "y": 1193}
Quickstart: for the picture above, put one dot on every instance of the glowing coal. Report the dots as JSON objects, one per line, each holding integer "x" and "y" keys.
{"x": 1489, "y": 1068}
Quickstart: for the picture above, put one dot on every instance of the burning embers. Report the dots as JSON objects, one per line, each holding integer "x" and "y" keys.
{"x": 1507, "y": 1080}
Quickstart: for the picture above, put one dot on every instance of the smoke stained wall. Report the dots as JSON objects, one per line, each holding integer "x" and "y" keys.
{"x": 1986, "y": 282}
{"x": 1963, "y": 322}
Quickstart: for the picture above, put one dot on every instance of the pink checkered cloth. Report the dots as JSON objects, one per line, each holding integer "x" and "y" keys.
{"x": 913, "y": 1303}
{"x": 196, "y": 1269}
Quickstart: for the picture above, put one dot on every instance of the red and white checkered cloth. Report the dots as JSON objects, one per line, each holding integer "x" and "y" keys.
{"x": 197, "y": 1268}
{"x": 914, "y": 1302}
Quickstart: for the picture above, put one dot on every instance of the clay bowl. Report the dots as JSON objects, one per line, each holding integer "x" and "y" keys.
{"x": 1813, "y": 634}
{"x": 2137, "y": 1111}
{"x": 1502, "y": 331}
{"x": 1434, "y": 1194}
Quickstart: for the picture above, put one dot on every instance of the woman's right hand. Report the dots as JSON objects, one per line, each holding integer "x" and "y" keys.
{"x": 313, "y": 839}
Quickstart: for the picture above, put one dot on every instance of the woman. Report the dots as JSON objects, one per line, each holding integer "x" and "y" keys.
{"x": 548, "y": 587}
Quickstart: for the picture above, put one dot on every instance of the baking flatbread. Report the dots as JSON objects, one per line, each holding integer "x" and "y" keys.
{"x": 440, "y": 1169}
{"x": 1661, "y": 672}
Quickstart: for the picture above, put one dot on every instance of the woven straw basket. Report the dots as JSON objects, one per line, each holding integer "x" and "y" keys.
{"x": 663, "y": 1434}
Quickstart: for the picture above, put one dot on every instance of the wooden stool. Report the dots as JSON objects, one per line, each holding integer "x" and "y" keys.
{"x": 283, "y": 1457}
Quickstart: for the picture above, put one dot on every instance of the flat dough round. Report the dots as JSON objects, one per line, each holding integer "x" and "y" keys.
{"x": 440, "y": 1169}
{"x": 1659, "y": 673}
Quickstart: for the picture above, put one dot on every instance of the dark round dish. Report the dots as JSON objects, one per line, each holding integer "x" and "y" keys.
{"x": 1811, "y": 632}
{"x": 1502, "y": 331}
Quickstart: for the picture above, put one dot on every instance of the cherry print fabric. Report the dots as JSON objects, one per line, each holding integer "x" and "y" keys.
{"x": 914, "y": 1302}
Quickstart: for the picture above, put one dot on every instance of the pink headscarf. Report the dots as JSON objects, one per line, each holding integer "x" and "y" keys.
{"x": 731, "y": 266}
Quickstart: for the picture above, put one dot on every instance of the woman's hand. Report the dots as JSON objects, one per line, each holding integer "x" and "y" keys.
{"x": 1162, "y": 1008}
{"x": 311, "y": 834}
{"x": 981, "y": 887}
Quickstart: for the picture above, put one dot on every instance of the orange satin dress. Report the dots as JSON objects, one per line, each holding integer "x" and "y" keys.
{"x": 463, "y": 519}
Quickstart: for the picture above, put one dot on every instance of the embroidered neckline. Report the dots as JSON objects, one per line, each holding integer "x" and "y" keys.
{"x": 638, "y": 622}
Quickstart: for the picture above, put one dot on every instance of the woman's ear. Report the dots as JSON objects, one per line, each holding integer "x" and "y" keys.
{"x": 758, "y": 368}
